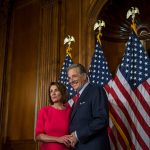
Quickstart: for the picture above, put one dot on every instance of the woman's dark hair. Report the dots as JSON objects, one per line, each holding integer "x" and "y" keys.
{"x": 62, "y": 88}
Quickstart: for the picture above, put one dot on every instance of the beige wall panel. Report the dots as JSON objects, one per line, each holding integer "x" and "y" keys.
{"x": 72, "y": 25}
{"x": 23, "y": 73}
{"x": 4, "y": 19}
{"x": 2, "y": 54}
{"x": 74, "y": 21}
{"x": 49, "y": 56}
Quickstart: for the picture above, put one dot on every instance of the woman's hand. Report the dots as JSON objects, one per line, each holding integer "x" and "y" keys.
{"x": 64, "y": 140}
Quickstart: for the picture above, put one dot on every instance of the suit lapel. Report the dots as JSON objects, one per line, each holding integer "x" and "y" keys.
{"x": 75, "y": 107}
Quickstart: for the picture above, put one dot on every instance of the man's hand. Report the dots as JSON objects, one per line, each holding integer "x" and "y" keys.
{"x": 73, "y": 139}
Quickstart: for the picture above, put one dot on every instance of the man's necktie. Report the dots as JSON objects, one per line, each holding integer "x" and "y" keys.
{"x": 76, "y": 97}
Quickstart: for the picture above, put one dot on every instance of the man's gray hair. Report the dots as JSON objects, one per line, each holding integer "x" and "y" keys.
{"x": 81, "y": 68}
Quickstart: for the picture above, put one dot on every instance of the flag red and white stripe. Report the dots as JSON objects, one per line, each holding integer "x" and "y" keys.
{"x": 129, "y": 99}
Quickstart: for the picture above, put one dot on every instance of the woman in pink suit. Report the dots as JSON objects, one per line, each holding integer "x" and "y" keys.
{"x": 52, "y": 128}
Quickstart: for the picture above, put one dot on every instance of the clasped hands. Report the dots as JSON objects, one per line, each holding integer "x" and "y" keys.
{"x": 69, "y": 140}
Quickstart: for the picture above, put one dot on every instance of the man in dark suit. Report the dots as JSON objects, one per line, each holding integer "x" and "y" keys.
{"x": 89, "y": 118}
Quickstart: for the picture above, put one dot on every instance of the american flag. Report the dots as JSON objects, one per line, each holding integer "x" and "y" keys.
{"x": 99, "y": 74}
{"x": 129, "y": 97}
{"x": 64, "y": 77}
{"x": 98, "y": 71}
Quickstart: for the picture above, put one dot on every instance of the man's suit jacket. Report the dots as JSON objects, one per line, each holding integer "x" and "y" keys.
{"x": 89, "y": 118}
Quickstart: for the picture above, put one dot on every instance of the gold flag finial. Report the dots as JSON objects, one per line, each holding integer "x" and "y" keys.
{"x": 99, "y": 25}
{"x": 68, "y": 41}
{"x": 132, "y": 12}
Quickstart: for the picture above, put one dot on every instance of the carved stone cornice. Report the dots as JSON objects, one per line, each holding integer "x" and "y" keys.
{"x": 118, "y": 27}
{"x": 143, "y": 31}
{"x": 94, "y": 10}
